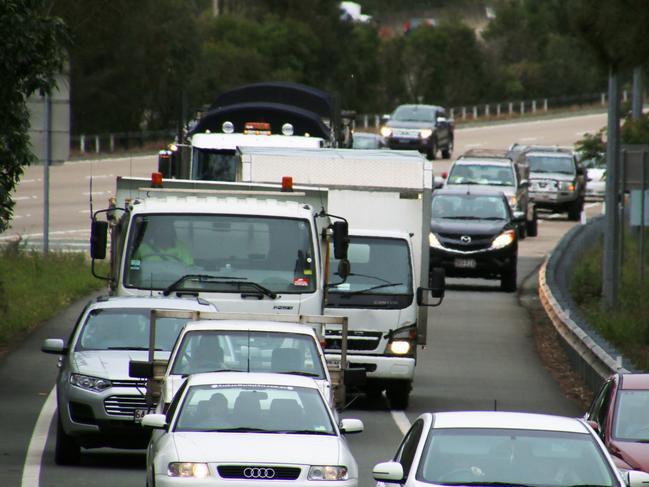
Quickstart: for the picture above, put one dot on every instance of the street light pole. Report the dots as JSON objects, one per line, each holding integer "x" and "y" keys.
{"x": 46, "y": 172}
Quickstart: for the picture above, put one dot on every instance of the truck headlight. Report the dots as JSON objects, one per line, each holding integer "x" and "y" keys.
{"x": 425, "y": 133}
{"x": 90, "y": 383}
{"x": 504, "y": 239}
{"x": 434, "y": 242}
{"x": 386, "y": 131}
{"x": 567, "y": 186}
{"x": 402, "y": 341}
{"x": 188, "y": 469}
{"x": 328, "y": 472}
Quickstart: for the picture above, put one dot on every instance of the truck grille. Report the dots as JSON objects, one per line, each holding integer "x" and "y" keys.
{"x": 124, "y": 405}
{"x": 356, "y": 341}
{"x": 258, "y": 472}
{"x": 129, "y": 383}
{"x": 544, "y": 185}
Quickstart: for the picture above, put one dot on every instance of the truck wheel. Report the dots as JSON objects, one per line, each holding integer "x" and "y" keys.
{"x": 66, "y": 450}
{"x": 446, "y": 153}
{"x": 399, "y": 394}
{"x": 532, "y": 226}
{"x": 508, "y": 280}
{"x": 431, "y": 153}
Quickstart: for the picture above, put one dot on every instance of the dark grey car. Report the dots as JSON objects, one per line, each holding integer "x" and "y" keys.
{"x": 425, "y": 128}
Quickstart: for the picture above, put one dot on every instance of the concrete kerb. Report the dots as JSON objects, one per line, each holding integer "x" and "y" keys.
{"x": 592, "y": 357}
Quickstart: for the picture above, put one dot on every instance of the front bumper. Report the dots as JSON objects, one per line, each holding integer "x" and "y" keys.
{"x": 487, "y": 264}
{"x": 102, "y": 419}
{"x": 381, "y": 366}
{"x": 415, "y": 143}
{"x": 162, "y": 480}
{"x": 553, "y": 200}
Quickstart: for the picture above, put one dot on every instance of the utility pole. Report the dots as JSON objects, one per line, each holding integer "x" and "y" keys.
{"x": 46, "y": 172}
{"x": 610, "y": 265}
{"x": 638, "y": 91}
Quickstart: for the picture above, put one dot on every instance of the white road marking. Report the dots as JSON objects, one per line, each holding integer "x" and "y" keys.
{"x": 84, "y": 211}
{"x": 32, "y": 469}
{"x": 469, "y": 146}
{"x": 402, "y": 421}
{"x": 96, "y": 193}
{"x": 111, "y": 159}
{"x": 528, "y": 139}
{"x": 34, "y": 235}
{"x": 100, "y": 176}
{"x": 37, "y": 180}
{"x": 26, "y": 215}
{"x": 22, "y": 198}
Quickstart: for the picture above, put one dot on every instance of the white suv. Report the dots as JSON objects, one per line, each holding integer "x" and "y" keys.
{"x": 97, "y": 399}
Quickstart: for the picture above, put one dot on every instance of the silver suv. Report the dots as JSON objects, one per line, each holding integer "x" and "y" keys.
{"x": 494, "y": 170}
{"x": 97, "y": 399}
{"x": 557, "y": 179}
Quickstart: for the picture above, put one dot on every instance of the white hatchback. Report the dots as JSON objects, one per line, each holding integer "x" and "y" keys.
{"x": 505, "y": 449}
{"x": 250, "y": 429}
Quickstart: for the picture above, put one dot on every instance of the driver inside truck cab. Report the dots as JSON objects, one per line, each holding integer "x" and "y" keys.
{"x": 161, "y": 243}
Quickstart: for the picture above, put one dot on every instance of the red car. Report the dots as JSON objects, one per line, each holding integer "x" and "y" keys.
{"x": 620, "y": 414}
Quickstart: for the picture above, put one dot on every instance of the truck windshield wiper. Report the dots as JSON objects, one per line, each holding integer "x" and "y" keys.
{"x": 355, "y": 274}
{"x": 237, "y": 281}
{"x": 196, "y": 277}
{"x": 461, "y": 218}
{"x": 300, "y": 372}
{"x": 363, "y": 291}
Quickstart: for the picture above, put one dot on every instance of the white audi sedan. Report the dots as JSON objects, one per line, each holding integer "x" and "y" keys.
{"x": 250, "y": 429}
{"x": 506, "y": 449}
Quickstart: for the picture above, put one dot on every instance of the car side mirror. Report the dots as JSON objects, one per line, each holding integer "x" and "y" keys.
{"x": 442, "y": 120}
{"x": 388, "y": 472}
{"x": 156, "y": 421}
{"x": 518, "y": 216}
{"x": 349, "y": 426}
{"x": 594, "y": 425}
{"x": 444, "y": 175}
{"x": 384, "y": 118}
{"x": 524, "y": 183}
{"x": 636, "y": 478}
{"x": 54, "y": 345}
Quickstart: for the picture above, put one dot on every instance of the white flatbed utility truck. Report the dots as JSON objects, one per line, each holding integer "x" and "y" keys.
{"x": 385, "y": 196}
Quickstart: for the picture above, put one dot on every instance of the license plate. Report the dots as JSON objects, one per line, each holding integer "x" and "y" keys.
{"x": 138, "y": 414}
{"x": 465, "y": 263}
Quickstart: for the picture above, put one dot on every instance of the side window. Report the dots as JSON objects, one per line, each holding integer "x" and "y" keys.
{"x": 598, "y": 409}
{"x": 174, "y": 402}
{"x": 406, "y": 452}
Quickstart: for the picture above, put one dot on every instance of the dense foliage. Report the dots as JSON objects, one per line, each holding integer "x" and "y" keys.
{"x": 31, "y": 54}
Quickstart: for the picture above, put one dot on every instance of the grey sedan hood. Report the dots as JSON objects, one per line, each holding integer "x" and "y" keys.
{"x": 110, "y": 364}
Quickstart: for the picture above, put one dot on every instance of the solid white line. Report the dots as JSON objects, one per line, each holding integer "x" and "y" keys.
{"x": 22, "y": 198}
{"x": 60, "y": 232}
{"x": 403, "y": 423}
{"x": 32, "y": 469}
{"x": 100, "y": 176}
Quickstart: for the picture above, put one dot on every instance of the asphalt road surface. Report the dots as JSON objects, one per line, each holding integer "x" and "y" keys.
{"x": 480, "y": 355}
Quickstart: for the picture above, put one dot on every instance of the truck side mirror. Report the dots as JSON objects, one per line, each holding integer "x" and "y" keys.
{"x": 98, "y": 239}
{"x": 437, "y": 282}
{"x": 341, "y": 239}
{"x": 344, "y": 268}
{"x": 165, "y": 163}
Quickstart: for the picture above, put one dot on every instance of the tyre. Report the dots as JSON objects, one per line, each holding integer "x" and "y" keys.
{"x": 574, "y": 212}
{"x": 431, "y": 153}
{"x": 446, "y": 153}
{"x": 508, "y": 280}
{"x": 532, "y": 226}
{"x": 66, "y": 450}
{"x": 399, "y": 394}
{"x": 373, "y": 393}
{"x": 521, "y": 230}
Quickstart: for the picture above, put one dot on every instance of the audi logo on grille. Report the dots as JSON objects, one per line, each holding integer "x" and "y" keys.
{"x": 465, "y": 239}
{"x": 258, "y": 473}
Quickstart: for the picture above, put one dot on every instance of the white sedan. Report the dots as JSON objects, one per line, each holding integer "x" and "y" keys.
{"x": 250, "y": 429}
{"x": 501, "y": 448}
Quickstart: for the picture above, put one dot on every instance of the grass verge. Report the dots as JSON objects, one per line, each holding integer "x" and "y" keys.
{"x": 626, "y": 327}
{"x": 34, "y": 287}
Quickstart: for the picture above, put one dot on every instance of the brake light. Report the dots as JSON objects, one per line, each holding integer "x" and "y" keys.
{"x": 156, "y": 180}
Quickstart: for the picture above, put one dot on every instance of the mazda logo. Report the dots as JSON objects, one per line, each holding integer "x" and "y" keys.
{"x": 258, "y": 473}
{"x": 465, "y": 239}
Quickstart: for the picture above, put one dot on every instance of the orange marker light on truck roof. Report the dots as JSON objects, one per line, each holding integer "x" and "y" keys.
{"x": 287, "y": 183}
{"x": 156, "y": 180}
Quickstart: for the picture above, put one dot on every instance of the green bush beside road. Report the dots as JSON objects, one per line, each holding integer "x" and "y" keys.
{"x": 34, "y": 287}
{"x": 628, "y": 326}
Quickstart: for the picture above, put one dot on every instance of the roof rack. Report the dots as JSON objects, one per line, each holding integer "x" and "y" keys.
{"x": 521, "y": 148}
{"x": 487, "y": 153}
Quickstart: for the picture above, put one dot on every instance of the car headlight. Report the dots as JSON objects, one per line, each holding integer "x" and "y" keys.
{"x": 567, "y": 186}
{"x": 425, "y": 133}
{"x": 90, "y": 383}
{"x": 504, "y": 239}
{"x": 434, "y": 242}
{"x": 403, "y": 341}
{"x": 188, "y": 469}
{"x": 327, "y": 472}
{"x": 513, "y": 201}
{"x": 386, "y": 131}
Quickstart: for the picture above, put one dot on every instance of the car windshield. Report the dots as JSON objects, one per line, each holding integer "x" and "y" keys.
{"x": 469, "y": 207}
{"x": 378, "y": 266}
{"x": 413, "y": 114}
{"x": 126, "y": 329}
{"x": 244, "y": 408}
{"x": 247, "y": 351}
{"x": 481, "y": 174}
{"x": 631, "y": 421}
{"x": 238, "y": 253}
{"x": 477, "y": 456}
{"x": 552, "y": 163}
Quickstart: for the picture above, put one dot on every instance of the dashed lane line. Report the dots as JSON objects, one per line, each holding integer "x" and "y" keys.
{"x": 402, "y": 421}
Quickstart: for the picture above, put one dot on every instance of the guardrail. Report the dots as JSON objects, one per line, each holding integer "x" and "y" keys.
{"x": 592, "y": 357}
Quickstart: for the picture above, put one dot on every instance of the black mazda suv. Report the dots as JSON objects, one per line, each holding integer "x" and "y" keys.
{"x": 473, "y": 234}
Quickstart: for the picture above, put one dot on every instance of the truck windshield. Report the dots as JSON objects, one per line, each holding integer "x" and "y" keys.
{"x": 214, "y": 165}
{"x": 379, "y": 267}
{"x": 276, "y": 253}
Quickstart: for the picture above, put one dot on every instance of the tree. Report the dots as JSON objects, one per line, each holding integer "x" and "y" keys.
{"x": 32, "y": 53}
